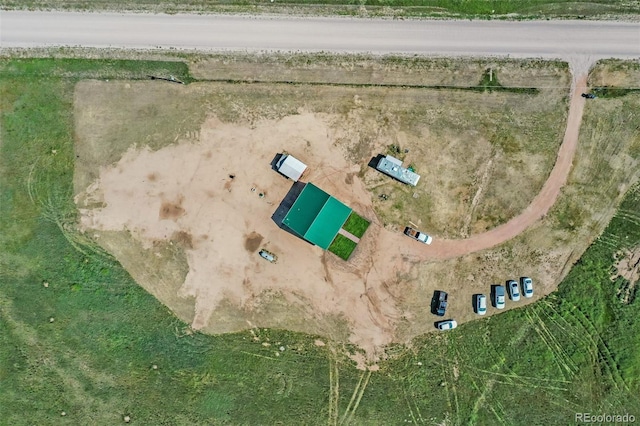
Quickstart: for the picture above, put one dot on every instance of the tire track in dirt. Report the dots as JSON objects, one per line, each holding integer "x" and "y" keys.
{"x": 334, "y": 389}
{"x": 541, "y": 204}
{"x": 353, "y": 398}
{"x": 360, "y": 392}
{"x": 484, "y": 179}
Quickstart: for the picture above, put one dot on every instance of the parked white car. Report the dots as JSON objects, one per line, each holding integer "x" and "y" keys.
{"x": 267, "y": 255}
{"x": 514, "y": 290}
{"x": 417, "y": 235}
{"x": 447, "y": 325}
{"x": 527, "y": 286}
{"x": 481, "y": 304}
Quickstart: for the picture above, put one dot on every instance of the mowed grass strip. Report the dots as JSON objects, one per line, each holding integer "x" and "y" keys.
{"x": 342, "y": 247}
{"x": 356, "y": 225}
{"x": 98, "y": 69}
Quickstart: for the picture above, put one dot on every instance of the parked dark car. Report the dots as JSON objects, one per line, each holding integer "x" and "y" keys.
{"x": 441, "y": 307}
{"x": 589, "y": 96}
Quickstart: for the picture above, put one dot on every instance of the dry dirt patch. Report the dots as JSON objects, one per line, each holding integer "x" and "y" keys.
{"x": 623, "y": 74}
{"x": 628, "y": 265}
{"x": 365, "y": 69}
{"x": 190, "y": 199}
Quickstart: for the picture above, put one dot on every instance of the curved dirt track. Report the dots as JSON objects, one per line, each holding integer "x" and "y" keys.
{"x": 446, "y": 249}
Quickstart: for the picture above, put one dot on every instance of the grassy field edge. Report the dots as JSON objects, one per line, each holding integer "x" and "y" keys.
{"x": 437, "y": 9}
{"x": 80, "y": 337}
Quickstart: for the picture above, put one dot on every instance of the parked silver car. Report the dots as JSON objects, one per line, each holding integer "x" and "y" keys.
{"x": 499, "y": 296}
{"x": 514, "y": 290}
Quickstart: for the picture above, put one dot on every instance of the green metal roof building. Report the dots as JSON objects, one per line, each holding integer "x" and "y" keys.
{"x": 316, "y": 216}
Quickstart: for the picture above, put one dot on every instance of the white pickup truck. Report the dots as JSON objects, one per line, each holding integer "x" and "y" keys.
{"x": 417, "y": 235}
{"x": 267, "y": 255}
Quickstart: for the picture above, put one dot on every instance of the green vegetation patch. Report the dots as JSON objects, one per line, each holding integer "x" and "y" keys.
{"x": 356, "y": 224}
{"x": 342, "y": 247}
{"x": 613, "y": 92}
{"x": 79, "y": 335}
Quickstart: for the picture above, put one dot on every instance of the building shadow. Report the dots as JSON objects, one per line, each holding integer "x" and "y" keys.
{"x": 274, "y": 162}
{"x": 285, "y": 205}
{"x": 373, "y": 163}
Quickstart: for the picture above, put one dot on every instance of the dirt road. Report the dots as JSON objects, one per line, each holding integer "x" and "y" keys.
{"x": 445, "y": 249}
{"x": 547, "y": 39}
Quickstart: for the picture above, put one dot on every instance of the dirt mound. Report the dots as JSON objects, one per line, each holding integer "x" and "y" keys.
{"x": 628, "y": 266}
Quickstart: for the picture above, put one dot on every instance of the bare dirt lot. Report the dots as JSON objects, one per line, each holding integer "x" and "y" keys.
{"x": 168, "y": 180}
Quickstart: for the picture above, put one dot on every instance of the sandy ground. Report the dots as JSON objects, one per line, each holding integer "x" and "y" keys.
{"x": 205, "y": 195}
{"x": 185, "y": 193}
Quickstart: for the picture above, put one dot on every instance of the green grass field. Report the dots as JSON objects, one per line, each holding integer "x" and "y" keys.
{"x": 342, "y": 247}
{"x": 487, "y": 9}
{"x": 578, "y": 350}
{"x": 356, "y": 225}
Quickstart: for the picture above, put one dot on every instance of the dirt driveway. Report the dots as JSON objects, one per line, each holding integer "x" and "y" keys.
{"x": 445, "y": 249}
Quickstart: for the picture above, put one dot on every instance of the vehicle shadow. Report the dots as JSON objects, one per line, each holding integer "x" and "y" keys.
{"x": 373, "y": 163}
{"x": 434, "y": 302}
{"x": 492, "y": 295}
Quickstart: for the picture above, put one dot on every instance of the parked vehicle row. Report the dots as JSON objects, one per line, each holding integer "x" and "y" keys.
{"x": 498, "y": 295}
{"x": 525, "y": 288}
